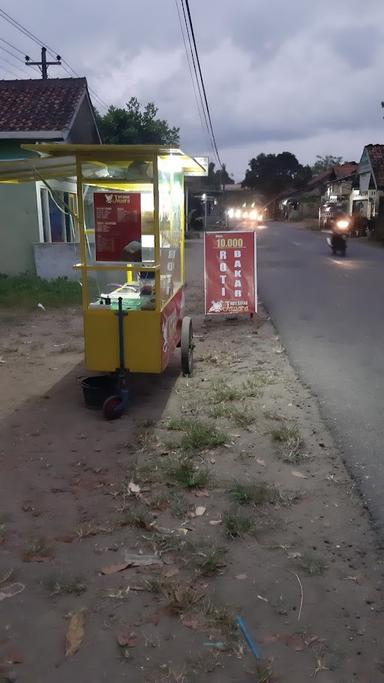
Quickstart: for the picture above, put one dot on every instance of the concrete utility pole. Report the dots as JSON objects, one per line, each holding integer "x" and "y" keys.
{"x": 43, "y": 65}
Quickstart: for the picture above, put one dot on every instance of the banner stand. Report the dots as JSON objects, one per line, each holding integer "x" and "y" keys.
{"x": 230, "y": 273}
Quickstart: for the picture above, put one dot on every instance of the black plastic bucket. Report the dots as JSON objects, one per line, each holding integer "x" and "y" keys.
{"x": 97, "y": 389}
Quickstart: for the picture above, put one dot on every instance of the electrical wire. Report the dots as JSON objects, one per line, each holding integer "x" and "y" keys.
{"x": 6, "y": 69}
{"x": 186, "y": 2}
{"x": 12, "y": 46}
{"x": 196, "y": 76}
{"x": 199, "y": 105}
{"x": 66, "y": 66}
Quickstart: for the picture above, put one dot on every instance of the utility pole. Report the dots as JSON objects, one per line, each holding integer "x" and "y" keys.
{"x": 43, "y": 65}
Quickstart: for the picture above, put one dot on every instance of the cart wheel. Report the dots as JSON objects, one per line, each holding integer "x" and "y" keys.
{"x": 187, "y": 346}
{"x": 113, "y": 408}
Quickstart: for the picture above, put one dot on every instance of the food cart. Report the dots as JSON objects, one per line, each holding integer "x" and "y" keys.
{"x": 129, "y": 223}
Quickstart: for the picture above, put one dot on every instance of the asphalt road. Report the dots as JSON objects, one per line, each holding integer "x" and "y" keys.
{"x": 329, "y": 313}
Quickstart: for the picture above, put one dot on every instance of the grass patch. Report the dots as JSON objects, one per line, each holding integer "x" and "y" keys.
{"x": 160, "y": 502}
{"x": 264, "y": 673}
{"x": 198, "y": 435}
{"x": 242, "y": 417}
{"x": 28, "y": 290}
{"x": 221, "y": 392}
{"x": 184, "y": 473}
{"x": 211, "y": 561}
{"x": 177, "y": 424}
{"x": 38, "y": 548}
{"x": 59, "y": 585}
{"x": 290, "y": 441}
{"x": 179, "y": 597}
{"x": 312, "y": 565}
{"x": 236, "y": 523}
{"x": 138, "y": 519}
{"x": 253, "y": 387}
{"x": 270, "y": 415}
{"x": 220, "y": 618}
{"x": 179, "y": 506}
{"x": 201, "y": 435}
{"x": 252, "y": 494}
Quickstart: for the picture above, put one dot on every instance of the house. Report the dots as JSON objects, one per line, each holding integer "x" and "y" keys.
{"x": 367, "y": 199}
{"x": 37, "y": 234}
{"x": 333, "y": 185}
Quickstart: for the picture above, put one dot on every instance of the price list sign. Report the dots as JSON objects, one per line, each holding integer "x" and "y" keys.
{"x": 230, "y": 275}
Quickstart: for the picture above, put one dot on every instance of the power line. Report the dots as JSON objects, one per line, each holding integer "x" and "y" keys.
{"x": 199, "y": 104}
{"x": 8, "y": 70}
{"x": 197, "y": 77}
{"x": 202, "y": 82}
{"x": 15, "y": 57}
{"x": 12, "y": 46}
{"x": 66, "y": 66}
{"x": 11, "y": 53}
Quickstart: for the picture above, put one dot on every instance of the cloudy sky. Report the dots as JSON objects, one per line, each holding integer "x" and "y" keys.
{"x": 301, "y": 75}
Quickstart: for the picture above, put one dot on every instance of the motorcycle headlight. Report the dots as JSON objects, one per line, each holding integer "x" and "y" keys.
{"x": 245, "y": 214}
{"x": 253, "y": 215}
{"x": 231, "y": 213}
{"x": 238, "y": 213}
{"x": 343, "y": 224}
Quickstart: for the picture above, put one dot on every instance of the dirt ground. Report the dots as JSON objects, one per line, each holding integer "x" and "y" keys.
{"x": 129, "y": 548}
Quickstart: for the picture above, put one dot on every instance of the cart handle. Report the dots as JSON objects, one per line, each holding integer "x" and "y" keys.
{"x": 122, "y": 266}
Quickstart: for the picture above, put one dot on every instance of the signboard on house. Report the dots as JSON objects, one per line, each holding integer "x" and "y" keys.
{"x": 117, "y": 226}
{"x": 230, "y": 276}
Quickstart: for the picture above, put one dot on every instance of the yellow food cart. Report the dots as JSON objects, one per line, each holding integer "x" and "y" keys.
{"x": 129, "y": 223}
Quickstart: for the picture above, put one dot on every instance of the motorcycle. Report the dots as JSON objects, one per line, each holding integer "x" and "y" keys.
{"x": 338, "y": 240}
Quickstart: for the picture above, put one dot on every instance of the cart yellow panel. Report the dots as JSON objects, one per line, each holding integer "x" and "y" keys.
{"x": 142, "y": 341}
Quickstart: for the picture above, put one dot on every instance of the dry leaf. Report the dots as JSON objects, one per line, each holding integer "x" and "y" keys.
{"x": 273, "y": 638}
{"x": 6, "y": 576}
{"x": 202, "y": 494}
{"x": 14, "y": 656}
{"x": 11, "y": 590}
{"x": 241, "y": 577}
{"x": 75, "y": 632}
{"x": 135, "y": 560}
{"x": 115, "y": 568}
{"x": 191, "y": 622}
{"x": 200, "y": 511}
{"x": 214, "y": 522}
{"x": 295, "y": 642}
{"x": 260, "y": 462}
{"x": 299, "y": 475}
{"x": 133, "y": 488}
{"x": 260, "y": 597}
{"x": 127, "y": 639}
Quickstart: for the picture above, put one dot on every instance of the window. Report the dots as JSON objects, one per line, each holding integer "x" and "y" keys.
{"x": 57, "y": 210}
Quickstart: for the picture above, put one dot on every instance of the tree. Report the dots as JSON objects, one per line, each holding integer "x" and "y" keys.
{"x": 136, "y": 125}
{"x": 271, "y": 174}
{"x": 216, "y": 179}
{"x": 323, "y": 163}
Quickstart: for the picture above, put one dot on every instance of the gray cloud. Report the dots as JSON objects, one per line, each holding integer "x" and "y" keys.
{"x": 302, "y": 75}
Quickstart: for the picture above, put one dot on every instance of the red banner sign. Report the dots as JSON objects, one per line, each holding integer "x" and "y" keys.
{"x": 117, "y": 226}
{"x": 230, "y": 272}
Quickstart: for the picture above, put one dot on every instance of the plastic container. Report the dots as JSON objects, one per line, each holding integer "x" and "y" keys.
{"x": 97, "y": 389}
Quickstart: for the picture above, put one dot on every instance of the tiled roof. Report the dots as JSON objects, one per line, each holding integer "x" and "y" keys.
{"x": 345, "y": 170}
{"x": 376, "y": 156}
{"x": 39, "y": 105}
